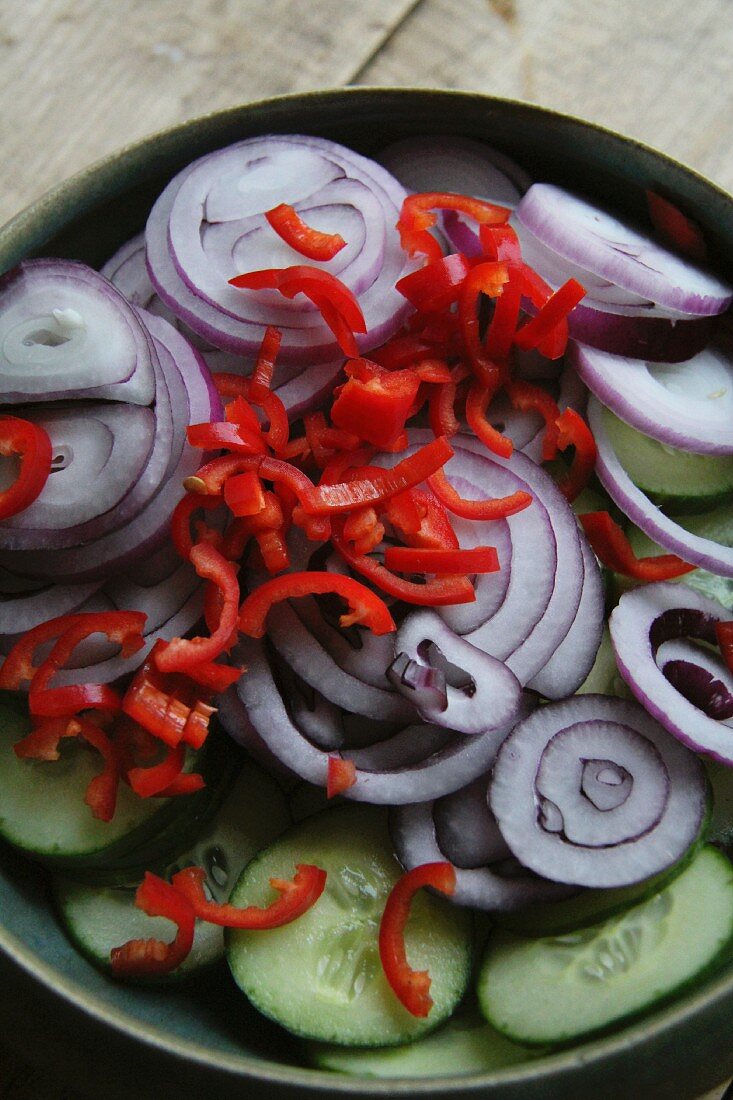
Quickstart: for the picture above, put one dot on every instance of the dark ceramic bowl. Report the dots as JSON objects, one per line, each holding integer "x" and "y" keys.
{"x": 139, "y": 1043}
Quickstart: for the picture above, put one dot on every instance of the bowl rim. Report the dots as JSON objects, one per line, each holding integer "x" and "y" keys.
{"x": 244, "y": 1065}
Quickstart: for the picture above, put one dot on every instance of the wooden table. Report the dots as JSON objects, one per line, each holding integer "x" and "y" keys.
{"x": 79, "y": 78}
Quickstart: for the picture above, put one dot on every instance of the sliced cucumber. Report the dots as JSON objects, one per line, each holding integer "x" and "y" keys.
{"x": 556, "y": 990}
{"x": 98, "y": 918}
{"x": 321, "y": 977}
{"x": 679, "y": 481}
{"x": 465, "y": 1045}
{"x": 721, "y": 824}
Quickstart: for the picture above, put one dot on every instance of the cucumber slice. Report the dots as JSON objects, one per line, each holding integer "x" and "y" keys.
{"x": 320, "y": 977}
{"x": 465, "y": 1045}
{"x": 98, "y": 918}
{"x": 721, "y": 823}
{"x": 556, "y": 990}
{"x": 679, "y": 481}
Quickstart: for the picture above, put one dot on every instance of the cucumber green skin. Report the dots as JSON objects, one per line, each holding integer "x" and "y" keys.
{"x": 549, "y": 1032}
{"x": 320, "y": 976}
{"x": 465, "y": 1045}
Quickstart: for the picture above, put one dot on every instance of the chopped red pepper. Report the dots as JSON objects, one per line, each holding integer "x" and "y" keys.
{"x": 489, "y": 279}
{"x": 30, "y": 443}
{"x": 240, "y": 411}
{"x": 411, "y": 987}
{"x": 497, "y": 508}
{"x": 552, "y": 314}
{"x": 341, "y": 776}
{"x": 226, "y": 435}
{"x": 574, "y": 432}
{"x": 365, "y": 606}
{"x": 724, "y": 634}
{"x": 528, "y": 397}
{"x": 243, "y": 494}
{"x": 612, "y": 547}
{"x": 676, "y": 228}
{"x": 162, "y": 713}
{"x": 417, "y": 218}
{"x": 500, "y": 242}
{"x": 296, "y": 898}
{"x": 437, "y": 285}
{"x": 153, "y": 957}
{"x": 364, "y": 530}
{"x": 383, "y": 484}
{"x": 301, "y": 237}
{"x": 181, "y": 520}
{"x": 159, "y": 778}
{"x": 476, "y": 404}
{"x": 409, "y": 559}
{"x": 374, "y": 403}
{"x": 443, "y": 419}
{"x": 261, "y": 380}
{"x": 181, "y": 654}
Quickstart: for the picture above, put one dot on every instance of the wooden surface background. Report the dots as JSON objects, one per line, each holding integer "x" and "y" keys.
{"x": 80, "y": 78}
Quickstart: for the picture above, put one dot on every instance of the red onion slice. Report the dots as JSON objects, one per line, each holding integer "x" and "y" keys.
{"x": 593, "y": 792}
{"x": 668, "y": 532}
{"x": 687, "y": 405}
{"x": 65, "y": 331}
{"x": 644, "y": 619}
{"x": 618, "y": 254}
{"x": 700, "y": 675}
{"x": 21, "y": 611}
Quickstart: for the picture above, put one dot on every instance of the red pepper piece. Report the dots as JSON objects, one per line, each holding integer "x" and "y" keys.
{"x": 489, "y": 279}
{"x": 226, "y": 435}
{"x": 437, "y": 592}
{"x": 724, "y": 634}
{"x": 345, "y": 496}
{"x": 498, "y": 508}
{"x": 243, "y": 494}
{"x": 477, "y": 401}
{"x": 404, "y": 513}
{"x": 409, "y": 559}
{"x": 42, "y": 744}
{"x": 296, "y": 898}
{"x": 552, "y": 314}
{"x": 268, "y": 528}
{"x": 181, "y": 520}
{"x": 365, "y": 606}
{"x": 240, "y": 411}
{"x": 261, "y": 380}
{"x": 527, "y": 397}
{"x": 336, "y": 303}
{"x": 301, "y": 237}
{"x": 437, "y": 285}
{"x": 500, "y": 242}
{"x": 411, "y": 987}
{"x": 170, "y": 717}
{"x": 314, "y": 426}
{"x": 147, "y": 782}
{"x": 675, "y": 228}
{"x": 404, "y": 351}
{"x": 31, "y": 444}
{"x": 364, "y": 530}
{"x": 539, "y": 293}
{"x": 417, "y": 218}
{"x": 611, "y": 546}
{"x": 434, "y": 372}
{"x": 574, "y": 432}
{"x": 182, "y": 654}
{"x": 374, "y": 403}
{"x": 443, "y": 419}
{"x": 503, "y": 324}
{"x": 341, "y": 776}
{"x": 153, "y": 957}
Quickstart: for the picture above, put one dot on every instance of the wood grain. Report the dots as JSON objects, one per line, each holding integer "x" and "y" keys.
{"x": 80, "y": 78}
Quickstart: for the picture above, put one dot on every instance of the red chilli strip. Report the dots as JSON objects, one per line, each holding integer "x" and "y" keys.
{"x": 441, "y": 412}
{"x": 498, "y": 508}
{"x": 500, "y": 242}
{"x": 409, "y": 559}
{"x": 182, "y": 654}
{"x": 489, "y": 279}
{"x": 611, "y": 546}
{"x": 301, "y": 237}
{"x": 724, "y": 634}
{"x": 436, "y": 286}
{"x": 411, "y": 987}
{"x": 244, "y": 494}
{"x": 552, "y": 314}
{"x": 152, "y": 957}
{"x": 261, "y": 381}
{"x": 152, "y": 702}
{"x": 417, "y": 217}
{"x": 477, "y": 401}
{"x": 296, "y": 898}
{"x": 226, "y": 435}
{"x": 365, "y": 606}
{"x": 156, "y": 780}
{"x": 574, "y": 432}
{"x": 31, "y": 444}
{"x": 341, "y": 776}
{"x": 345, "y": 496}
{"x": 181, "y": 520}
{"x": 528, "y": 397}
{"x": 676, "y": 228}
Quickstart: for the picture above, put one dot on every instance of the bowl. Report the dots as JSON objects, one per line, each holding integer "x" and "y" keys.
{"x": 138, "y": 1042}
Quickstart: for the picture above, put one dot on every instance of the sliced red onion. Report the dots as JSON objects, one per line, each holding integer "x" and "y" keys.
{"x": 241, "y": 182}
{"x": 643, "y": 621}
{"x": 456, "y": 763}
{"x": 687, "y": 405}
{"x": 22, "y": 610}
{"x": 489, "y": 701}
{"x": 423, "y": 833}
{"x": 668, "y": 532}
{"x": 103, "y": 447}
{"x": 573, "y": 659}
{"x": 357, "y": 651}
{"x": 592, "y": 791}
{"x": 127, "y": 270}
{"x": 65, "y": 331}
{"x": 423, "y": 685}
{"x": 618, "y": 255}
{"x": 699, "y": 685}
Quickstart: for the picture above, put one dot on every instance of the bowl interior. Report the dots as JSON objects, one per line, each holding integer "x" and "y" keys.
{"x": 209, "y": 1025}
